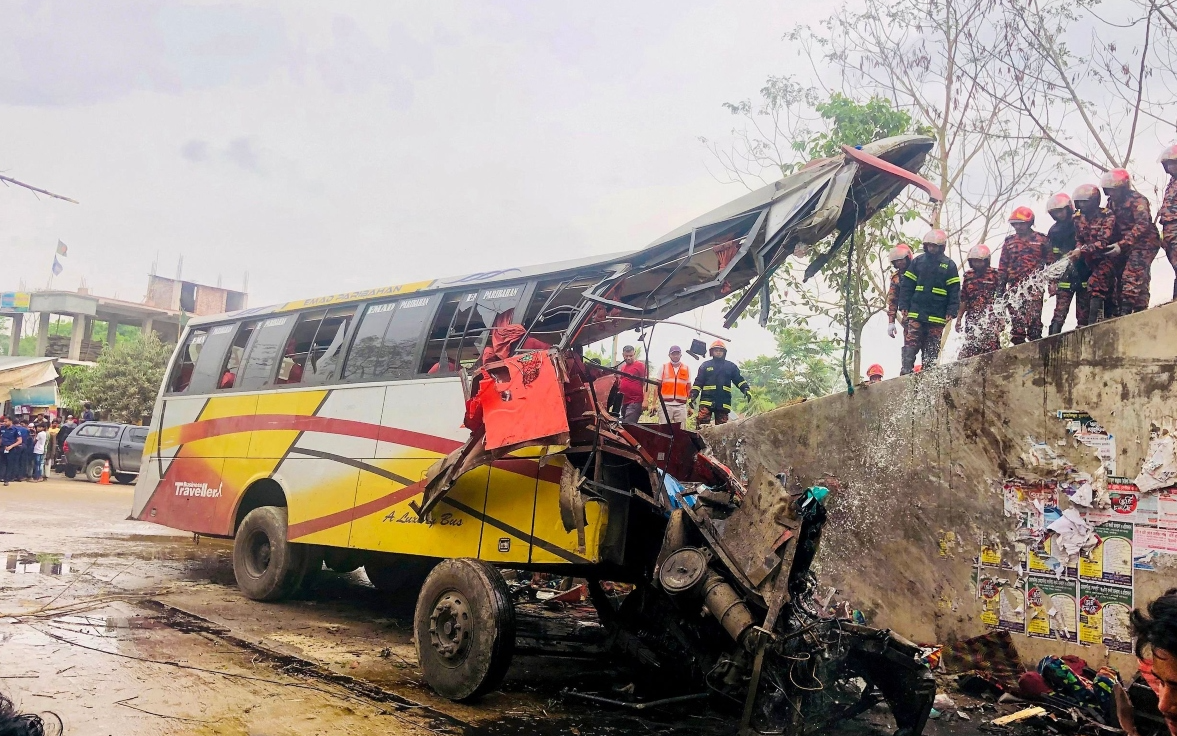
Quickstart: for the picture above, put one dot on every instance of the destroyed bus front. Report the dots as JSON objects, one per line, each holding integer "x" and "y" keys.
{"x": 365, "y": 466}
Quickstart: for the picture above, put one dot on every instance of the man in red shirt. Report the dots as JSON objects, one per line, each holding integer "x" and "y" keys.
{"x": 633, "y": 391}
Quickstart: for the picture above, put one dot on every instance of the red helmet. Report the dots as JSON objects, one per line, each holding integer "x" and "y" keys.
{"x": 936, "y": 236}
{"x": 1060, "y": 201}
{"x": 979, "y": 253}
{"x": 1086, "y": 193}
{"x": 899, "y": 252}
{"x": 874, "y": 370}
{"x": 1169, "y": 154}
{"x": 1022, "y": 214}
{"x": 1115, "y": 179}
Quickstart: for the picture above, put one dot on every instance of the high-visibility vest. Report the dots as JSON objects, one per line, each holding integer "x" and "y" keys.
{"x": 676, "y": 382}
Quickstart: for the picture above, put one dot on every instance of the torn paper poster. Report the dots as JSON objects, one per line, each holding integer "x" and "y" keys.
{"x": 1078, "y": 421}
{"x": 1042, "y": 561}
{"x": 1111, "y": 560}
{"x": 1126, "y": 503}
{"x": 1072, "y": 534}
{"x": 1091, "y": 433}
{"x": 1160, "y": 464}
{"x": 1042, "y": 457}
{"x": 1052, "y": 608}
{"x": 1078, "y": 488}
{"x": 1156, "y": 541}
{"x": 1029, "y": 500}
{"x": 1167, "y": 509}
{"x": 1103, "y": 616}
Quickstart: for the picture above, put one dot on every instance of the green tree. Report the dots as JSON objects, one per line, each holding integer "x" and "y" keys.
{"x": 123, "y": 383}
{"x": 803, "y": 367}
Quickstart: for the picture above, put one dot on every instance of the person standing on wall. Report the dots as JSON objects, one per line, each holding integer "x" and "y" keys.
{"x": 633, "y": 390}
{"x": 1139, "y": 239}
{"x": 1022, "y": 254}
{"x": 1096, "y": 239}
{"x": 1074, "y": 284}
{"x": 978, "y": 291}
{"x": 1168, "y": 214}
{"x": 674, "y": 386}
{"x": 900, "y": 258}
{"x": 929, "y": 296}
{"x": 713, "y": 386}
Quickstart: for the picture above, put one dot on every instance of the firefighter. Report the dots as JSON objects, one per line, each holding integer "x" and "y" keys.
{"x": 977, "y": 294}
{"x": 1139, "y": 240}
{"x": 929, "y": 296}
{"x": 1168, "y": 213}
{"x": 1096, "y": 237}
{"x": 1073, "y": 284}
{"x": 874, "y": 374}
{"x": 713, "y": 386}
{"x": 900, "y": 258}
{"x": 1022, "y": 254}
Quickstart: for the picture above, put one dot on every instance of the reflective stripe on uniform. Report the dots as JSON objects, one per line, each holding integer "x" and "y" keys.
{"x": 910, "y": 275}
{"x": 938, "y": 290}
{"x": 913, "y": 315}
{"x": 953, "y": 280}
{"x": 704, "y": 402}
{"x": 709, "y": 388}
{"x": 937, "y": 320}
{"x": 1064, "y": 284}
{"x": 919, "y": 288}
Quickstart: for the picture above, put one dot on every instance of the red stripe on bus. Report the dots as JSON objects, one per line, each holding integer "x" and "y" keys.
{"x": 208, "y": 428}
{"x": 322, "y": 523}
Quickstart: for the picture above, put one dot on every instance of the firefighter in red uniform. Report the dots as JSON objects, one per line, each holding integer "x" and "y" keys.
{"x": 977, "y": 294}
{"x": 929, "y": 296}
{"x": 1022, "y": 253}
{"x": 1139, "y": 239}
{"x": 1168, "y": 214}
{"x": 1096, "y": 241}
{"x": 900, "y": 258}
{"x": 1072, "y": 285}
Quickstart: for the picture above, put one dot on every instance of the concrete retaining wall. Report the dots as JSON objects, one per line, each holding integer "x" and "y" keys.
{"x": 924, "y": 459}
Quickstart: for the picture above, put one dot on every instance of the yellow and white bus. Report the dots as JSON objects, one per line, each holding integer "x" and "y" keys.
{"x": 305, "y": 431}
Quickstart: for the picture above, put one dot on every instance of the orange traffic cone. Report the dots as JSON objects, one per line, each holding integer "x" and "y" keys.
{"x": 104, "y": 479}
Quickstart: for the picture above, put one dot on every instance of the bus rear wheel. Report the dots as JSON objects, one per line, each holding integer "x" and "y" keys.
{"x": 465, "y": 629}
{"x": 267, "y": 567}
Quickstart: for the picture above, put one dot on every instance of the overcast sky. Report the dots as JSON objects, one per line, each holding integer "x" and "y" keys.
{"x": 327, "y": 147}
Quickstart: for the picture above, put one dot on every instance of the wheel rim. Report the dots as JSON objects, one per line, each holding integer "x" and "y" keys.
{"x": 450, "y": 627}
{"x": 259, "y": 551}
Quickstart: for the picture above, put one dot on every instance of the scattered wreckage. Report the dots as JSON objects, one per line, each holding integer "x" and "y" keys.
{"x": 723, "y": 594}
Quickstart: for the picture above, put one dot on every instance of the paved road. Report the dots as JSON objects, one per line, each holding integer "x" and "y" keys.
{"x": 126, "y": 627}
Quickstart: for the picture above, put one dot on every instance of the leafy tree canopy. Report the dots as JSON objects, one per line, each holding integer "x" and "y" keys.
{"x": 123, "y": 384}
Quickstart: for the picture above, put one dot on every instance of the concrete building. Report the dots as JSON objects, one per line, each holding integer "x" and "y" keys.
{"x": 168, "y": 304}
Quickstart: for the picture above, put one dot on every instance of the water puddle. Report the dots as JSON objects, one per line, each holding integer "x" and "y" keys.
{"x": 27, "y": 563}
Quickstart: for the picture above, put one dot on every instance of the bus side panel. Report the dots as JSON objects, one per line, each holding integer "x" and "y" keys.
{"x": 554, "y": 544}
{"x": 192, "y": 496}
{"x": 272, "y": 436}
{"x": 510, "y": 503}
{"x": 321, "y": 511}
{"x": 157, "y": 458}
{"x": 222, "y": 429}
{"x": 393, "y": 526}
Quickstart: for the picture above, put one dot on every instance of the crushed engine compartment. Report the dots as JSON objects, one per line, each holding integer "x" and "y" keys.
{"x": 724, "y": 593}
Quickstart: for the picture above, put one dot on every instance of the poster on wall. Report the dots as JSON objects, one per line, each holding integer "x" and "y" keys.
{"x": 1030, "y": 501}
{"x": 1091, "y": 433}
{"x": 1103, "y": 616}
{"x": 1128, "y": 504}
{"x": 1003, "y": 606}
{"x": 1052, "y": 608}
{"x": 1150, "y": 542}
{"x": 1111, "y": 560}
{"x": 1167, "y": 508}
{"x": 1042, "y": 561}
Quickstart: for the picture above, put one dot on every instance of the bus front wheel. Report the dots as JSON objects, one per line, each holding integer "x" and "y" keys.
{"x": 465, "y": 629}
{"x": 267, "y": 567}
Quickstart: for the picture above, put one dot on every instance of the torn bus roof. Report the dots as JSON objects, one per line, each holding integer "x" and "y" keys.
{"x": 733, "y": 247}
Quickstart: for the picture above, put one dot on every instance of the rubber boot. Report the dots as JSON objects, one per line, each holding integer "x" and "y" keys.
{"x": 1055, "y": 328}
{"x": 908, "y": 355}
{"x": 1096, "y": 310}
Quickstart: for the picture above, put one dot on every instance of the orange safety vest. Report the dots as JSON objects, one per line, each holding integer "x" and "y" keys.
{"x": 676, "y": 384}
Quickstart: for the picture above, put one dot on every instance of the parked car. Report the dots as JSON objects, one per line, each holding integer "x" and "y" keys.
{"x": 93, "y": 444}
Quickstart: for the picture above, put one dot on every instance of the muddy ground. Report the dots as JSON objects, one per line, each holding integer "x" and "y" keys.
{"x": 125, "y": 627}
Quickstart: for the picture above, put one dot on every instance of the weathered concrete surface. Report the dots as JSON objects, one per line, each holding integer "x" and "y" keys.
{"x": 923, "y": 457}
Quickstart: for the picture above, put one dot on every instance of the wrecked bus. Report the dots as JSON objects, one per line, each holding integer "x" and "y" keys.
{"x": 435, "y": 432}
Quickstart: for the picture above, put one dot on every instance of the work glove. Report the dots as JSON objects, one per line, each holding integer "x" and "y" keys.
{"x": 892, "y": 329}
{"x": 1113, "y": 251}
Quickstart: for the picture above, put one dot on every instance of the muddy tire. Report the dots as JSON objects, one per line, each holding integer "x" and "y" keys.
{"x": 395, "y": 575}
{"x": 464, "y": 626}
{"x": 267, "y": 567}
{"x": 125, "y": 478}
{"x": 94, "y": 470}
